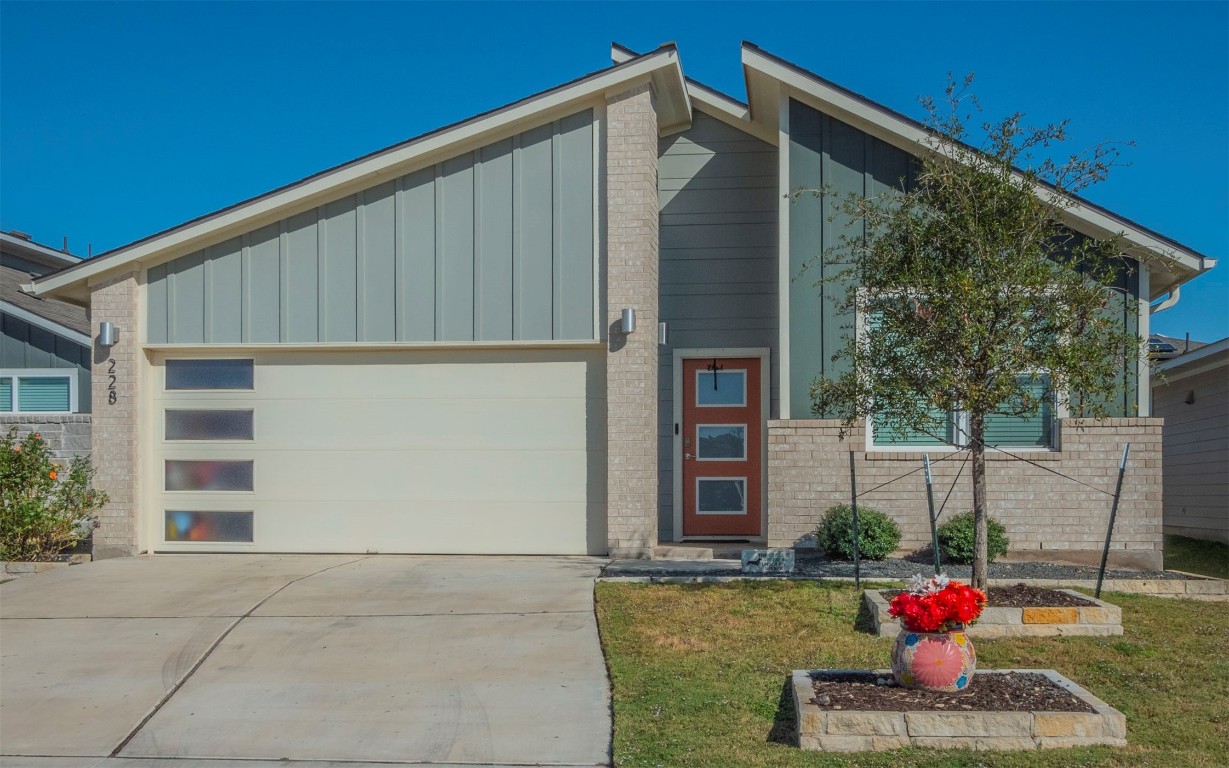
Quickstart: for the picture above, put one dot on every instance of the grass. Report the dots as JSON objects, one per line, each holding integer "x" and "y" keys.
{"x": 699, "y": 675}
{"x": 1207, "y": 558}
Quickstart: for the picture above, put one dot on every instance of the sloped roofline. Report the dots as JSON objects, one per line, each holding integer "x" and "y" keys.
{"x": 909, "y": 134}
{"x": 20, "y": 246}
{"x": 661, "y": 66}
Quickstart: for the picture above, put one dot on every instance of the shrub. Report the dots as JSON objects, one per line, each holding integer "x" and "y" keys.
{"x": 877, "y": 534}
{"x": 956, "y": 538}
{"x": 44, "y": 508}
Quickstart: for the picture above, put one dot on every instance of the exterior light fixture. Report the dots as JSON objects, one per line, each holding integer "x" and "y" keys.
{"x": 108, "y": 334}
{"x": 662, "y": 334}
{"x": 629, "y": 320}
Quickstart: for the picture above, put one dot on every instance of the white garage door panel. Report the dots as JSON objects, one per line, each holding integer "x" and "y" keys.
{"x": 417, "y": 451}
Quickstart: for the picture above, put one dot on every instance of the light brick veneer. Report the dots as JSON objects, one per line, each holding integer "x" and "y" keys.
{"x": 115, "y": 426}
{"x": 808, "y": 471}
{"x": 632, "y": 281}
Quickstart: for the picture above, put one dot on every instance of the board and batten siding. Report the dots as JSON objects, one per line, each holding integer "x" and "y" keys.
{"x": 825, "y": 153}
{"x": 717, "y": 188}
{"x": 1196, "y": 451}
{"x": 26, "y": 346}
{"x": 496, "y": 244}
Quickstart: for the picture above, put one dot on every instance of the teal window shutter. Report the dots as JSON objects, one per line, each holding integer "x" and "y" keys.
{"x": 6, "y": 394}
{"x": 43, "y": 394}
{"x": 1036, "y": 431}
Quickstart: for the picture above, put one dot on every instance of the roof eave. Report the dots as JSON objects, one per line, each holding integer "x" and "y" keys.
{"x": 661, "y": 67}
{"x": 1182, "y": 264}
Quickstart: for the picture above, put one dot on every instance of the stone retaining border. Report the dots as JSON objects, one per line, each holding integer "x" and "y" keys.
{"x": 1098, "y": 620}
{"x": 1190, "y": 589}
{"x": 14, "y": 569}
{"x": 864, "y": 731}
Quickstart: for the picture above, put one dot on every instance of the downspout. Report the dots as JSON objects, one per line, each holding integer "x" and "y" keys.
{"x": 1174, "y": 295}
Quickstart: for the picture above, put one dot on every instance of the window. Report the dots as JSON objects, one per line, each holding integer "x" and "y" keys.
{"x": 1002, "y": 430}
{"x": 721, "y": 495}
{"x": 722, "y": 389}
{"x": 52, "y": 390}
{"x": 721, "y": 442}
{"x": 209, "y": 374}
{"x": 208, "y": 475}
{"x": 208, "y": 425}
{"x": 201, "y": 526}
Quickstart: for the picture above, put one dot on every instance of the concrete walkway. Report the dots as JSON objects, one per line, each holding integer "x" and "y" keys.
{"x": 196, "y": 658}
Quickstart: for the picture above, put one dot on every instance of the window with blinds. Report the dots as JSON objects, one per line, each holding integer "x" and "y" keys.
{"x": 36, "y": 393}
{"x": 1036, "y": 431}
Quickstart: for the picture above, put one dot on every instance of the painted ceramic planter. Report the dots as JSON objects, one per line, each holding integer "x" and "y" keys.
{"x": 934, "y": 661}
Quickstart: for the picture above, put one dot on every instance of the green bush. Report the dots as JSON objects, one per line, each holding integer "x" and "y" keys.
{"x": 44, "y": 508}
{"x": 877, "y": 534}
{"x": 956, "y": 538}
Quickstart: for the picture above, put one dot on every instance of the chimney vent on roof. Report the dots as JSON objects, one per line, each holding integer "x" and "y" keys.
{"x": 65, "y": 248}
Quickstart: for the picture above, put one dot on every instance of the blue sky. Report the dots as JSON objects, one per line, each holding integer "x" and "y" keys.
{"x": 121, "y": 119}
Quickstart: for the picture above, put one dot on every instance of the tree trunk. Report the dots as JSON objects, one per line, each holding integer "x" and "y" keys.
{"x": 981, "y": 549}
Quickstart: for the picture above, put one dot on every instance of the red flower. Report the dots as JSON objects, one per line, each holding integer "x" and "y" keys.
{"x": 938, "y": 609}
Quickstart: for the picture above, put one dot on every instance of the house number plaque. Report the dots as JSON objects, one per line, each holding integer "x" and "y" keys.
{"x": 111, "y": 395}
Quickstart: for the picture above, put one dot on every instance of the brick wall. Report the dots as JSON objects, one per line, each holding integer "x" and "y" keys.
{"x": 1045, "y": 515}
{"x": 115, "y": 426}
{"x": 67, "y": 435}
{"x": 632, "y": 281}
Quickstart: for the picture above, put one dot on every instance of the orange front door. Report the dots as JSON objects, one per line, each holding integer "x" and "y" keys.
{"x": 722, "y": 434}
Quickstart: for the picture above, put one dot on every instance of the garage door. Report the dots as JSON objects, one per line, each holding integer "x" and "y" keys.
{"x": 425, "y": 451}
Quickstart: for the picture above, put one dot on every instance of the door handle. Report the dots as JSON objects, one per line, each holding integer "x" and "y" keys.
{"x": 687, "y": 456}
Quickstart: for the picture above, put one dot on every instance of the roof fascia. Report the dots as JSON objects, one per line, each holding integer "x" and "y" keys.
{"x": 907, "y": 134}
{"x": 711, "y": 101}
{"x": 37, "y": 251}
{"x": 369, "y": 171}
{"x": 47, "y": 325}
{"x": 1194, "y": 356}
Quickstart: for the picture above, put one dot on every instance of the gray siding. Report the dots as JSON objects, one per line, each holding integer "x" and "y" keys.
{"x": 718, "y": 197}
{"x": 27, "y": 346}
{"x": 824, "y": 152}
{"x": 496, "y": 244}
{"x": 827, "y": 153}
{"x": 1196, "y": 452}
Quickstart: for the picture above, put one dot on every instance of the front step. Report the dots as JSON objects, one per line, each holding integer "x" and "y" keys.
{"x": 682, "y": 552}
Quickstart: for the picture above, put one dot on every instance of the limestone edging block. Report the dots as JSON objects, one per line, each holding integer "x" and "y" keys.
{"x": 873, "y": 731}
{"x": 1100, "y": 620}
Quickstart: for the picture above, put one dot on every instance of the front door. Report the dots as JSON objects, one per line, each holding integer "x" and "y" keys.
{"x": 722, "y": 433}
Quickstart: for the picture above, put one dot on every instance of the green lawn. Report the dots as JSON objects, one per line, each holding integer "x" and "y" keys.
{"x": 699, "y": 675}
{"x": 1207, "y": 558}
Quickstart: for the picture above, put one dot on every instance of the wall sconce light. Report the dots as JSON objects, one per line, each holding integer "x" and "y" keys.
{"x": 629, "y": 320}
{"x": 662, "y": 334}
{"x": 108, "y": 334}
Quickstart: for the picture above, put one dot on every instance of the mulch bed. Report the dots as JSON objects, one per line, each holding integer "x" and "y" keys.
{"x": 1008, "y": 692}
{"x": 1020, "y": 596}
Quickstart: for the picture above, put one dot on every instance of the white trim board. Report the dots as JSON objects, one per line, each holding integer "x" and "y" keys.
{"x": 765, "y": 357}
{"x": 47, "y": 325}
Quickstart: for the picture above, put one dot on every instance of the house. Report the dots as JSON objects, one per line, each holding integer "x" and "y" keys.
{"x": 45, "y": 351}
{"x": 1191, "y": 393}
{"x": 568, "y": 325}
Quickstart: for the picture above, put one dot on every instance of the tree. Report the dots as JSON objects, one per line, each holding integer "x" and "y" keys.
{"x": 972, "y": 295}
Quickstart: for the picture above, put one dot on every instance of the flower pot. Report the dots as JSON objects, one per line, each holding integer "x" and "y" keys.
{"x": 934, "y": 661}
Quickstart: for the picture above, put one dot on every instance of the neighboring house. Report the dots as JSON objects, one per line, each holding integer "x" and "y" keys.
{"x": 453, "y": 344}
{"x": 1191, "y": 393}
{"x": 45, "y": 350}
{"x": 1161, "y": 348}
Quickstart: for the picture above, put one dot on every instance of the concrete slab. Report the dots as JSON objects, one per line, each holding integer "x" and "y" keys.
{"x": 391, "y": 585}
{"x": 697, "y": 567}
{"x": 166, "y": 585}
{"x": 455, "y": 689}
{"x": 410, "y": 659}
{"x": 77, "y": 687}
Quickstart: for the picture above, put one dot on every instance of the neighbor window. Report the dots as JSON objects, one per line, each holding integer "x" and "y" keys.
{"x": 38, "y": 391}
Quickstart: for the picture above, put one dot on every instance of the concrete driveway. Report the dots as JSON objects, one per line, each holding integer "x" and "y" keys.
{"x": 454, "y": 660}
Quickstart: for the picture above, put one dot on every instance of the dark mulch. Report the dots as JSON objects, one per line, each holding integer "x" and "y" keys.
{"x": 1008, "y": 692}
{"x": 1021, "y": 596}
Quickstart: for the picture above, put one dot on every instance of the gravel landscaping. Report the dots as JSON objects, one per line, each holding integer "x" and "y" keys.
{"x": 812, "y": 564}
